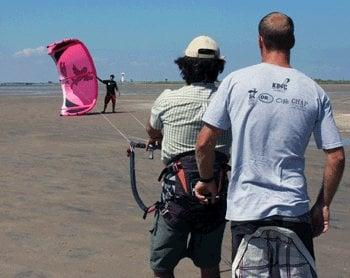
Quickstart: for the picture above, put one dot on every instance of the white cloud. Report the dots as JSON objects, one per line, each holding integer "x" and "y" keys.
{"x": 29, "y": 52}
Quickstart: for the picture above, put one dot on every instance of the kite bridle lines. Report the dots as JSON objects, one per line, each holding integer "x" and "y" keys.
{"x": 131, "y": 154}
{"x": 117, "y": 129}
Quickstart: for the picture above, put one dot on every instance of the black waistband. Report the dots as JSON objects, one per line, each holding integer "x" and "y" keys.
{"x": 218, "y": 156}
{"x": 181, "y": 155}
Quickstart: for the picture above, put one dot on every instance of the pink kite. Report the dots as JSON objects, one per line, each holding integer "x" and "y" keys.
{"x": 77, "y": 75}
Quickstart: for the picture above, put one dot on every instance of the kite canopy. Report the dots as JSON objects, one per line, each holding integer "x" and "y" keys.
{"x": 77, "y": 75}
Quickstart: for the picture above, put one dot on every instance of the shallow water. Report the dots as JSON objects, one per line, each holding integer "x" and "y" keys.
{"x": 126, "y": 89}
{"x": 30, "y": 90}
{"x": 136, "y": 88}
{"x": 55, "y": 89}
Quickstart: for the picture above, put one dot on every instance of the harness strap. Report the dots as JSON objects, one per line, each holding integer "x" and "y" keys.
{"x": 169, "y": 181}
{"x": 163, "y": 173}
{"x": 182, "y": 179}
{"x": 172, "y": 168}
{"x": 150, "y": 209}
{"x": 176, "y": 169}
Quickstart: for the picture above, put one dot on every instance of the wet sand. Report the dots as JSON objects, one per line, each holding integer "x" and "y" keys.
{"x": 66, "y": 208}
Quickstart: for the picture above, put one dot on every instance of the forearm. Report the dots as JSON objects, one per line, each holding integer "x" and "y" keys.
{"x": 205, "y": 153}
{"x": 205, "y": 160}
{"x": 153, "y": 134}
{"x": 333, "y": 172}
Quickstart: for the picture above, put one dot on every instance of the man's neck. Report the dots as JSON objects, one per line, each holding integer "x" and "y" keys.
{"x": 278, "y": 58}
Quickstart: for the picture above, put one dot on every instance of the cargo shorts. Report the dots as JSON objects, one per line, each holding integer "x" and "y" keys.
{"x": 169, "y": 245}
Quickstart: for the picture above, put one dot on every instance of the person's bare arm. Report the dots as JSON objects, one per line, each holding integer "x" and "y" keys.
{"x": 205, "y": 156}
{"x": 332, "y": 174}
{"x": 155, "y": 135}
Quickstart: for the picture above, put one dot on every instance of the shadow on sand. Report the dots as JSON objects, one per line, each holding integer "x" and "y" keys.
{"x": 107, "y": 113}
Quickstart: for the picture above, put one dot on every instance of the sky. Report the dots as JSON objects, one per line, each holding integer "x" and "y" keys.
{"x": 143, "y": 38}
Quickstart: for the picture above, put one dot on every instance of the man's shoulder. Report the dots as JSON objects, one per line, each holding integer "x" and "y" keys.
{"x": 163, "y": 98}
{"x": 179, "y": 93}
{"x": 165, "y": 94}
{"x": 308, "y": 82}
{"x": 239, "y": 75}
{"x": 243, "y": 73}
{"x": 304, "y": 76}
{"x": 246, "y": 70}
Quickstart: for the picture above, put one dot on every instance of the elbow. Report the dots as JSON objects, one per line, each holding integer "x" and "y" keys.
{"x": 337, "y": 157}
{"x": 203, "y": 143}
{"x": 206, "y": 139}
{"x": 153, "y": 133}
{"x": 200, "y": 147}
{"x": 340, "y": 158}
{"x": 148, "y": 129}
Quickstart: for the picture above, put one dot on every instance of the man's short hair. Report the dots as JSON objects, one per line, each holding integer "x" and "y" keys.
{"x": 112, "y": 76}
{"x": 277, "y": 31}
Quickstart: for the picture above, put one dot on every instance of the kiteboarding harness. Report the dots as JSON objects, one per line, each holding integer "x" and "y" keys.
{"x": 178, "y": 203}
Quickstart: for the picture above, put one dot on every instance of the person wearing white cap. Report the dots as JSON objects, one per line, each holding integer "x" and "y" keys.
{"x": 184, "y": 227}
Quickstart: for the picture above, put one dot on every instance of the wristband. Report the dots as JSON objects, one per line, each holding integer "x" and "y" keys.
{"x": 206, "y": 180}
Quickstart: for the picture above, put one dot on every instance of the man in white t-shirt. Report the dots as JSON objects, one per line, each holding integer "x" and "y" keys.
{"x": 272, "y": 110}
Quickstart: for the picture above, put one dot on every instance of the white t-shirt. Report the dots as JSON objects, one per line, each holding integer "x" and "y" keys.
{"x": 272, "y": 112}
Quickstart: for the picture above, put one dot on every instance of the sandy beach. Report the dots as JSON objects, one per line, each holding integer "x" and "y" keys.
{"x": 66, "y": 208}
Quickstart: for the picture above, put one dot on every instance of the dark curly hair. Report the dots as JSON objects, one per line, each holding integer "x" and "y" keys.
{"x": 199, "y": 69}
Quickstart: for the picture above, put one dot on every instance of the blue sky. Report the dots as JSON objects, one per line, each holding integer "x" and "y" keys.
{"x": 142, "y": 38}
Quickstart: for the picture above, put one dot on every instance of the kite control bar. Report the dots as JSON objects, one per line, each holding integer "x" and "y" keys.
{"x": 150, "y": 148}
{"x": 131, "y": 154}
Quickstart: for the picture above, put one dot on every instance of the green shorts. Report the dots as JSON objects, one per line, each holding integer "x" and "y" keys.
{"x": 169, "y": 245}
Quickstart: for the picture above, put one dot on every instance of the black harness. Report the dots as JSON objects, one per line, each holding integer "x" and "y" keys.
{"x": 177, "y": 204}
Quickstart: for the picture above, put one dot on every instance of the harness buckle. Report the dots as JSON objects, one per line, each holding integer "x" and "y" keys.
{"x": 176, "y": 166}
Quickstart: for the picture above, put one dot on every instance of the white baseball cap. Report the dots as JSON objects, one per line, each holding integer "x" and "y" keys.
{"x": 203, "y": 47}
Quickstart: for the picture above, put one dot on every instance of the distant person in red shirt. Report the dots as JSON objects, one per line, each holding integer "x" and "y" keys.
{"x": 112, "y": 89}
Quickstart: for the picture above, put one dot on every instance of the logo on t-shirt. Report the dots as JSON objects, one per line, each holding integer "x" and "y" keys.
{"x": 299, "y": 103}
{"x": 281, "y": 87}
{"x": 267, "y": 98}
{"x": 252, "y": 94}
